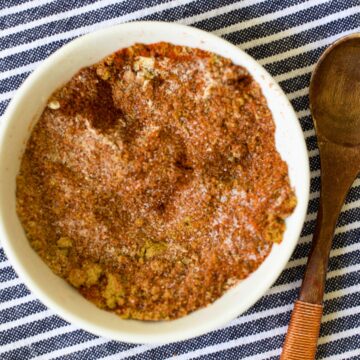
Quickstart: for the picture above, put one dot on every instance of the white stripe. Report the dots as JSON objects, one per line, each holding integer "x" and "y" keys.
{"x": 131, "y": 352}
{"x": 260, "y": 315}
{"x": 219, "y": 11}
{"x": 55, "y": 17}
{"x": 309, "y": 133}
{"x": 268, "y": 17}
{"x": 314, "y": 152}
{"x": 71, "y": 349}
{"x": 334, "y": 252}
{"x": 93, "y": 27}
{"x": 17, "y": 301}
{"x": 283, "y": 287}
{"x": 189, "y": 20}
{"x": 31, "y": 339}
{"x": 268, "y": 334}
{"x": 346, "y": 207}
{"x": 338, "y": 335}
{"x": 305, "y": 239}
{"x": 12, "y": 282}
{"x": 7, "y": 95}
{"x": 314, "y": 174}
{"x": 356, "y": 182}
{"x": 295, "y": 94}
{"x": 19, "y": 70}
{"x": 294, "y": 284}
{"x": 282, "y": 309}
{"x": 300, "y": 28}
{"x": 22, "y": 7}
{"x": 297, "y": 262}
{"x": 348, "y": 227}
{"x": 243, "y": 319}
{"x": 211, "y": 349}
{"x": 343, "y": 271}
{"x": 26, "y": 319}
{"x": 240, "y": 320}
{"x": 303, "y": 113}
{"x": 117, "y": 357}
{"x": 4, "y": 264}
{"x": 294, "y": 73}
{"x": 342, "y": 292}
{"x": 314, "y": 195}
{"x": 344, "y": 355}
{"x": 103, "y": 3}
{"x": 29, "y": 67}
{"x": 305, "y": 48}
{"x": 263, "y": 356}
{"x": 341, "y": 313}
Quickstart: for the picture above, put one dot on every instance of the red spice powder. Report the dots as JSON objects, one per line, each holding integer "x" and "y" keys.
{"x": 151, "y": 181}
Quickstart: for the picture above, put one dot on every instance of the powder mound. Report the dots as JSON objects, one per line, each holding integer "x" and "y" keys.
{"x": 151, "y": 181}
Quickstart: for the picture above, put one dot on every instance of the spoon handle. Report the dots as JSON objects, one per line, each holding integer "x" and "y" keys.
{"x": 337, "y": 175}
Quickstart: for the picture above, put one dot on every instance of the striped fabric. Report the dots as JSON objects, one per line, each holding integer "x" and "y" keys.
{"x": 285, "y": 36}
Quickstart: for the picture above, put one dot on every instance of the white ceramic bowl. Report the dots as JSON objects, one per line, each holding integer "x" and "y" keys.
{"x": 15, "y": 127}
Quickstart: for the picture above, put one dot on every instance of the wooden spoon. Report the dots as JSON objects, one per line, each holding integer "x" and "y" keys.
{"x": 335, "y": 108}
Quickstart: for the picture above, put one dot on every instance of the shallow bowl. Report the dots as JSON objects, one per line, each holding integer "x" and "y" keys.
{"x": 15, "y": 127}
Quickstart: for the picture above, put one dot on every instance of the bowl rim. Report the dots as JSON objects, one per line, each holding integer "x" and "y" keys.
{"x": 145, "y": 337}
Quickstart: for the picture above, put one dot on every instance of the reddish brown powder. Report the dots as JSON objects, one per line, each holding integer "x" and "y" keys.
{"x": 151, "y": 182}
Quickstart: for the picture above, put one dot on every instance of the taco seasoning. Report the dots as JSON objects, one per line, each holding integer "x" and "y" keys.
{"x": 151, "y": 182}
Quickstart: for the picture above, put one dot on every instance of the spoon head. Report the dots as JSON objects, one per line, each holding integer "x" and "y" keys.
{"x": 335, "y": 93}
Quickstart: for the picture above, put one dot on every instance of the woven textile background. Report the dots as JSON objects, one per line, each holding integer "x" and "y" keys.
{"x": 285, "y": 36}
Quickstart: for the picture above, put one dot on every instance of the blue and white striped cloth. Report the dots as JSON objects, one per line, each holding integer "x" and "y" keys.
{"x": 287, "y": 37}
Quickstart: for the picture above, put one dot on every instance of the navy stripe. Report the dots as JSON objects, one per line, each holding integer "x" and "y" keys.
{"x": 246, "y": 350}
{"x": 13, "y": 292}
{"x": 19, "y": 311}
{"x": 306, "y": 123}
{"x": 244, "y": 14}
{"x": 2, "y": 255}
{"x": 313, "y": 205}
{"x": 38, "y": 12}
{"x": 10, "y": 3}
{"x": 13, "y": 82}
{"x": 92, "y": 17}
{"x": 300, "y": 103}
{"x": 287, "y": 22}
{"x": 295, "y": 83}
{"x": 51, "y": 344}
{"x": 302, "y": 38}
{"x": 27, "y": 57}
{"x": 3, "y": 106}
{"x": 33, "y": 328}
{"x": 339, "y": 346}
{"x": 7, "y": 274}
{"x": 315, "y": 182}
{"x": 294, "y": 62}
{"x": 341, "y": 303}
{"x": 340, "y": 240}
{"x": 192, "y": 9}
{"x": 345, "y": 218}
{"x": 220, "y": 336}
{"x": 98, "y": 352}
{"x": 336, "y": 262}
{"x": 314, "y": 163}
{"x": 288, "y": 39}
{"x": 311, "y": 143}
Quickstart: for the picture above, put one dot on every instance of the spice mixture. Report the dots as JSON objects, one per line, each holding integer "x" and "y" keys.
{"x": 151, "y": 181}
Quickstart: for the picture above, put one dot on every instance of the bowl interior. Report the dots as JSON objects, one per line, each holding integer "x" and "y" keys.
{"x": 15, "y": 128}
